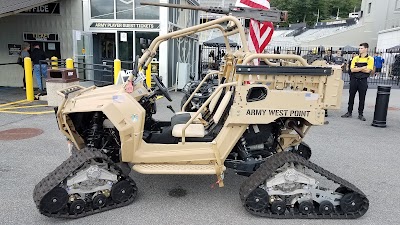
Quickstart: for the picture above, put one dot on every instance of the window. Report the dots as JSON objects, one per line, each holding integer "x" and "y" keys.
{"x": 145, "y": 12}
{"x": 143, "y": 41}
{"x": 124, "y": 9}
{"x": 369, "y": 7}
{"x": 102, "y": 9}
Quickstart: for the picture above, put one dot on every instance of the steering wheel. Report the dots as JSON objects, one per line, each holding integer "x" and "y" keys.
{"x": 161, "y": 87}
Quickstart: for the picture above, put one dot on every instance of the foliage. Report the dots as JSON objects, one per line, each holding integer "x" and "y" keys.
{"x": 307, "y": 10}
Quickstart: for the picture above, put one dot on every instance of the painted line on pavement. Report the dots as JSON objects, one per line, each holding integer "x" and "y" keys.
{"x": 11, "y": 108}
{"x": 13, "y": 103}
{"x": 28, "y": 113}
{"x": 22, "y": 107}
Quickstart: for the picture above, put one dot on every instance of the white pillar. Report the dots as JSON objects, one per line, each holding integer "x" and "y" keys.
{"x": 86, "y": 15}
{"x": 163, "y": 58}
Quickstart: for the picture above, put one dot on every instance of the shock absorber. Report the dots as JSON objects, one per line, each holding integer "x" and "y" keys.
{"x": 242, "y": 146}
{"x": 93, "y": 137}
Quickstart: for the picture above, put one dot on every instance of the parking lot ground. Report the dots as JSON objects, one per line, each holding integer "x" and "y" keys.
{"x": 366, "y": 156}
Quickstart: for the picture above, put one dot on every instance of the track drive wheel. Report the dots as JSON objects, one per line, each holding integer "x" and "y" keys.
{"x": 258, "y": 200}
{"x": 99, "y": 201}
{"x": 278, "y": 207}
{"x": 306, "y": 207}
{"x": 55, "y": 200}
{"x": 326, "y": 207}
{"x": 77, "y": 206}
{"x": 351, "y": 203}
{"x": 122, "y": 191}
{"x": 303, "y": 150}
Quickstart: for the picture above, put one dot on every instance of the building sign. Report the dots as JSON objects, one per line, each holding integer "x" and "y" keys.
{"x": 51, "y": 8}
{"x": 40, "y": 37}
{"x": 14, "y": 50}
{"x": 346, "y": 22}
{"x": 126, "y": 25}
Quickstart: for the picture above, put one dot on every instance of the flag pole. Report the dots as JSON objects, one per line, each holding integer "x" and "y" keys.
{"x": 337, "y": 15}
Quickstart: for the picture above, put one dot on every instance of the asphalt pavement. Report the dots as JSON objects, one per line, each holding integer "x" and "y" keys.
{"x": 366, "y": 156}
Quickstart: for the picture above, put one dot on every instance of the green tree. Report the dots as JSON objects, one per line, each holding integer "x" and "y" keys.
{"x": 307, "y": 10}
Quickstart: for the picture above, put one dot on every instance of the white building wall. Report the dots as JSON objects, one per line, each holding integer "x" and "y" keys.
{"x": 13, "y": 27}
{"x": 393, "y": 15}
{"x": 389, "y": 38}
{"x": 352, "y": 37}
{"x": 382, "y": 15}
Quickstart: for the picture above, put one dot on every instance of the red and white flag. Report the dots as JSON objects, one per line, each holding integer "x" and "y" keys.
{"x": 260, "y": 32}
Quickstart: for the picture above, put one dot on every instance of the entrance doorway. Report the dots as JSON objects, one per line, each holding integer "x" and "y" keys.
{"x": 83, "y": 54}
{"x": 104, "y": 53}
{"x": 104, "y": 47}
{"x": 125, "y": 49}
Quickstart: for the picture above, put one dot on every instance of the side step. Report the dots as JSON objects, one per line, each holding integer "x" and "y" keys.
{"x": 175, "y": 169}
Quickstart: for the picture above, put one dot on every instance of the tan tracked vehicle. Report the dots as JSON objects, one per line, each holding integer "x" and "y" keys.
{"x": 253, "y": 123}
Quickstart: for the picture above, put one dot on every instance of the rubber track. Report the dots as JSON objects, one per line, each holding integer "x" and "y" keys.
{"x": 76, "y": 160}
{"x": 278, "y": 160}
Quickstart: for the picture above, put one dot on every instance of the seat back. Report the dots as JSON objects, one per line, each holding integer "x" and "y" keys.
{"x": 222, "y": 106}
{"x": 214, "y": 101}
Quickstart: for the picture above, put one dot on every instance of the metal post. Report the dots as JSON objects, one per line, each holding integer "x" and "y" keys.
{"x": 381, "y": 106}
{"x": 117, "y": 69}
{"x": 28, "y": 78}
{"x": 69, "y": 63}
{"x": 54, "y": 62}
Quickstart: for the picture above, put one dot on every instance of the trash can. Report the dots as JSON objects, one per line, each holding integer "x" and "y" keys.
{"x": 381, "y": 106}
{"x": 59, "y": 79}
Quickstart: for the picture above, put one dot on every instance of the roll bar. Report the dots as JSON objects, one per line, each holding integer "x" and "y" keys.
{"x": 238, "y": 28}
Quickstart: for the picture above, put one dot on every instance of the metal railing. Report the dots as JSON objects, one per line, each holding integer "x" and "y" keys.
{"x": 128, "y": 65}
{"x": 102, "y": 74}
{"x": 379, "y": 79}
{"x": 387, "y": 76}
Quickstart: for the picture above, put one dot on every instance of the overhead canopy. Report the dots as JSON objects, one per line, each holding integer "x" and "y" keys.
{"x": 394, "y": 49}
{"x": 219, "y": 42}
{"x": 349, "y": 49}
{"x": 10, "y": 7}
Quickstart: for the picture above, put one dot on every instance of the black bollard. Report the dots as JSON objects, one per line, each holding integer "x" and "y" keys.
{"x": 381, "y": 106}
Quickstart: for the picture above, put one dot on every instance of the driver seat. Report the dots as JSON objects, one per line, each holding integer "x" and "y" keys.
{"x": 198, "y": 130}
{"x": 184, "y": 117}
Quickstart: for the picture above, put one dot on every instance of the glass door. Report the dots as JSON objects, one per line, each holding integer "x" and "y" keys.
{"x": 125, "y": 49}
{"x": 83, "y": 54}
{"x": 104, "y": 53}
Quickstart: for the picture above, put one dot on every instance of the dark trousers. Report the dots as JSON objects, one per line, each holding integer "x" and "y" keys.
{"x": 23, "y": 79}
{"x": 360, "y": 85}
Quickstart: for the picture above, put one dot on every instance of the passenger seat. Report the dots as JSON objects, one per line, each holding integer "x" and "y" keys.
{"x": 184, "y": 117}
{"x": 198, "y": 130}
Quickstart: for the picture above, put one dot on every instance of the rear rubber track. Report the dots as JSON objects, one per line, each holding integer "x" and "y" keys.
{"x": 68, "y": 167}
{"x": 276, "y": 161}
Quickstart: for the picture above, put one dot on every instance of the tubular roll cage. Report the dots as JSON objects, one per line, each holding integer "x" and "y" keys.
{"x": 234, "y": 27}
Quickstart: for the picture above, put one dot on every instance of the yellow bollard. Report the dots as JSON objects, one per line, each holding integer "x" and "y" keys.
{"x": 117, "y": 69}
{"x": 148, "y": 76}
{"x": 69, "y": 63}
{"x": 28, "y": 78}
{"x": 54, "y": 62}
